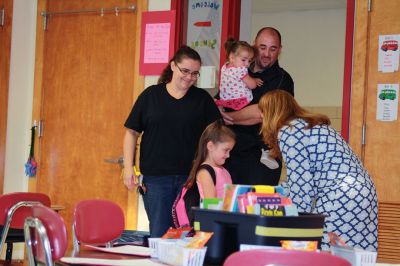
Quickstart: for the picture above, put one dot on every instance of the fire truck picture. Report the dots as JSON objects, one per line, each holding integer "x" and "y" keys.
{"x": 391, "y": 45}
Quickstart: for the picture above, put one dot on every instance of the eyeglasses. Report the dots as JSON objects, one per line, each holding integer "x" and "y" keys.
{"x": 187, "y": 72}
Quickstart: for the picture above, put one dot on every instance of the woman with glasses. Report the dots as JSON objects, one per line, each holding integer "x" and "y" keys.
{"x": 170, "y": 118}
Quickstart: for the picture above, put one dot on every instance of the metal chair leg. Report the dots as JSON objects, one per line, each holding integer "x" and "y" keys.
{"x": 9, "y": 251}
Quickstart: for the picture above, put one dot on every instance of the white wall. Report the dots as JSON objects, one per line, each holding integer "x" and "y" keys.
{"x": 245, "y": 21}
{"x": 20, "y": 98}
{"x": 313, "y": 51}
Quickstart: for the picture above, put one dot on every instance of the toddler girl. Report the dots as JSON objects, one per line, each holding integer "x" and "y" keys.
{"x": 235, "y": 84}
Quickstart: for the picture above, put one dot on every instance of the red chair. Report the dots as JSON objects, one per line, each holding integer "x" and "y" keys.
{"x": 45, "y": 236}
{"x": 97, "y": 222}
{"x": 14, "y": 208}
{"x": 263, "y": 257}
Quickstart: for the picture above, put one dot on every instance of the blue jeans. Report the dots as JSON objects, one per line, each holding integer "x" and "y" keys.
{"x": 158, "y": 200}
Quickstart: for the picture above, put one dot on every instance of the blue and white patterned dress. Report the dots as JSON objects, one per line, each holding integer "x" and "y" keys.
{"x": 322, "y": 167}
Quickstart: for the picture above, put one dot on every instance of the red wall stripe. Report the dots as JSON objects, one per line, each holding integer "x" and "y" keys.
{"x": 348, "y": 68}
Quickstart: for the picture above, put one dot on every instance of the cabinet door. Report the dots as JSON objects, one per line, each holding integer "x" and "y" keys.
{"x": 381, "y": 150}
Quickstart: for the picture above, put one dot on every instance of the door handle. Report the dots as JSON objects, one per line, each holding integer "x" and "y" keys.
{"x": 119, "y": 161}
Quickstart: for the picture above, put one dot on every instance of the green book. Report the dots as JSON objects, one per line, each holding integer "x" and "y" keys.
{"x": 211, "y": 203}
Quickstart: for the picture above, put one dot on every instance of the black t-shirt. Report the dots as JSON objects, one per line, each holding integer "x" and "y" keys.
{"x": 171, "y": 128}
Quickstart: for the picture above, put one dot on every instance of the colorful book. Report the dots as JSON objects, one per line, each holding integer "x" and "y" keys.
{"x": 264, "y": 189}
{"x": 231, "y": 193}
{"x": 211, "y": 203}
{"x": 242, "y": 203}
{"x": 269, "y": 189}
{"x": 252, "y": 196}
{"x": 269, "y": 200}
{"x": 275, "y": 210}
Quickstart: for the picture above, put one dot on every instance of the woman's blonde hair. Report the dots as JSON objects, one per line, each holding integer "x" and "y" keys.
{"x": 278, "y": 108}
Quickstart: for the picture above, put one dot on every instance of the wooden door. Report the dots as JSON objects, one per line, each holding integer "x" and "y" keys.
{"x": 5, "y": 48}
{"x": 87, "y": 87}
{"x": 381, "y": 150}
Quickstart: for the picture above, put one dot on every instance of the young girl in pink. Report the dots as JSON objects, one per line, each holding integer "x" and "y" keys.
{"x": 208, "y": 176}
{"x": 215, "y": 144}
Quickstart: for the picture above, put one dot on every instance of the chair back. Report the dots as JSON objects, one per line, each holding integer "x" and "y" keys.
{"x": 8, "y": 201}
{"x": 14, "y": 208}
{"x": 45, "y": 235}
{"x": 264, "y": 257}
{"x": 97, "y": 222}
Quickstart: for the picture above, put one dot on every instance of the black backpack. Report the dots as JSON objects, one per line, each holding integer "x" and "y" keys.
{"x": 191, "y": 198}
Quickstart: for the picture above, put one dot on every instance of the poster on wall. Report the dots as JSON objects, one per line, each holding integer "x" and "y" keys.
{"x": 387, "y": 102}
{"x": 156, "y": 41}
{"x": 204, "y": 29}
{"x": 388, "y": 55}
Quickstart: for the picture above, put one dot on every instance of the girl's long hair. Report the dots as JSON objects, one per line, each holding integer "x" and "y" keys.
{"x": 278, "y": 108}
{"x": 182, "y": 53}
{"x": 215, "y": 132}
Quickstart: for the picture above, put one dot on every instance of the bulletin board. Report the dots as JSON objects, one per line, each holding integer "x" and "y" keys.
{"x": 156, "y": 41}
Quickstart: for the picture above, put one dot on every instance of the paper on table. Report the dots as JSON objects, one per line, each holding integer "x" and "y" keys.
{"x": 126, "y": 250}
{"x": 91, "y": 261}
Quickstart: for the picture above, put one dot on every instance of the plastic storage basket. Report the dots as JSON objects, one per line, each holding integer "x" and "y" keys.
{"x": 357, "y": 257}
{"x": 153, "y": 243}
{"x": 171, "y": 253}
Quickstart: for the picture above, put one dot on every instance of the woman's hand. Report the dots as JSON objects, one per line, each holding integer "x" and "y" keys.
{"x": 130, "y": 178}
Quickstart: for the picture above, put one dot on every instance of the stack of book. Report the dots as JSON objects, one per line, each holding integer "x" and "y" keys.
{"x": 259, "y": 200}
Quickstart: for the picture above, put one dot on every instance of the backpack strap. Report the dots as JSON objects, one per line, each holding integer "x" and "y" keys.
{"x": 210, "y": 170}
{"x": 191, "y": 198}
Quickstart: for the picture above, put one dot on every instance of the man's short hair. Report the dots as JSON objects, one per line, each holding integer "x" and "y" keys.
{"x": 270, "y": 29}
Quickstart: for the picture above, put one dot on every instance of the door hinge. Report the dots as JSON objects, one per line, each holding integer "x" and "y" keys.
{"x": 2, "y": 13}
{"x": 40, "y": 128}
{"x": 369, "y": 5}
{"x": 364, "y": 127}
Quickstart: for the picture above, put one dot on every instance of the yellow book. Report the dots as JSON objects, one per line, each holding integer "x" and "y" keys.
{"x": 264, "y": 189}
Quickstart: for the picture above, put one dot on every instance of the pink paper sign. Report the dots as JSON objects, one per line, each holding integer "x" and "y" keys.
{"x": 156, "y": 41}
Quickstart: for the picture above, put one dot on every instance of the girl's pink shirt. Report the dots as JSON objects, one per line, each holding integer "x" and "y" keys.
{"x": 222, "y": 177}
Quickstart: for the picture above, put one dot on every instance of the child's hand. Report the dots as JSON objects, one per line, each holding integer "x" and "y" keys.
{"x": 259, "y": 82}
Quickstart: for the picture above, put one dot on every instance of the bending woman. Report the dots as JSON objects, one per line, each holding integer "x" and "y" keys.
{"x": 323, "y": 174}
